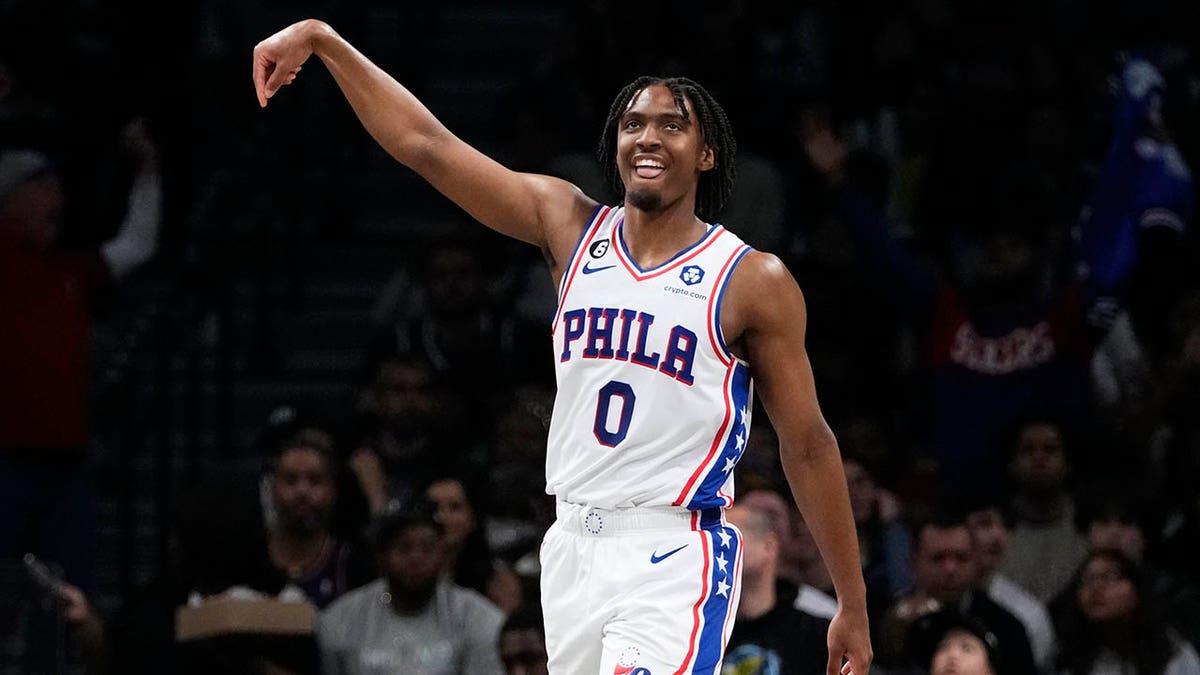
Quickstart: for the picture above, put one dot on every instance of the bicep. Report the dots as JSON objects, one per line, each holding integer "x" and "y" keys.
{"x": 783, "y": 378}
{"x": 530, "y": 207}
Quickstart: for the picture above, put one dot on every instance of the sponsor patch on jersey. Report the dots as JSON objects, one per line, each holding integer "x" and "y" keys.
{"x": 691, "y": 275}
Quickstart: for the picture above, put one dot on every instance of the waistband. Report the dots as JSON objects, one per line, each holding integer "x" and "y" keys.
{"x": 590, "y": 521}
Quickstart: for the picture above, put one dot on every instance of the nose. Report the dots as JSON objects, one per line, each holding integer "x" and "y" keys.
{"x": 648, "y": 139}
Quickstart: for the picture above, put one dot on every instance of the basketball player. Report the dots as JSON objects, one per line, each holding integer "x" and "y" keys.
{"x": 663, "y": 319}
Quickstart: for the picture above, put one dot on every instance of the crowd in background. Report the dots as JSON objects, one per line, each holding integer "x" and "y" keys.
{"x": 988, "y": 206}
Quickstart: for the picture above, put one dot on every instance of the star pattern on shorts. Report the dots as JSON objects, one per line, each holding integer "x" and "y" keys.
{"x": 730, "y": 462}
{"x": 725, "y": 537}
{"x": 722, "y": 588}
{"x": 722, "y": 562}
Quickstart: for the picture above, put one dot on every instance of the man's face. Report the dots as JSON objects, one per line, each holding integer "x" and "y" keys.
{"x": 33, "y": 210}
{"x": 960, "y": 653}
{"x": 303, "y": 491}
{"x": 453, "y": 510}
{"x": 1040, "y": 464}
{"x": 412, "y": 562}
{"x": 660, "y": 153}
{"x": 944, "y": 562}
{"x": 523, "y": 652}
{"x": 1112, "y": 533}
{"x": 863, "y": 491}
{"x": 759, "y": 546}
{"x": 402, "y": 390}
{"x": 990, "y": 536}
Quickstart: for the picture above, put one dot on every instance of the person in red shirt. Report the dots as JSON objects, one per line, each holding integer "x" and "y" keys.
{"x": 46, "y": 299}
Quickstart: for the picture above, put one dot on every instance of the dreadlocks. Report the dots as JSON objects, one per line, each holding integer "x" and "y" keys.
{"x": 716, "y": 184}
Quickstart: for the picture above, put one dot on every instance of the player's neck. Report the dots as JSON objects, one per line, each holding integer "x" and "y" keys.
{"x": 653, "y": 237}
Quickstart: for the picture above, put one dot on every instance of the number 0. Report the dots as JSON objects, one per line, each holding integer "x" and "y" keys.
{"x": 603, "y": 401}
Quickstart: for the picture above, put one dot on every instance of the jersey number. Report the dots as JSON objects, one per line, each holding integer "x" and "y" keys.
{"x": 604, "y": 402}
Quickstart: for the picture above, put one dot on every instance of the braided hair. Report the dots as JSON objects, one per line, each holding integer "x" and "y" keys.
{"x": 716, "y": 184}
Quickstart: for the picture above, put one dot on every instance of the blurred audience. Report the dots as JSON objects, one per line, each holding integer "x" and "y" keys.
{"x": 300, "y": 540}
{"x": 49, "y": 296}
{"x": 1110, "y": 623}
{"x": 946, "y": 577}
{"x": 413, "y": 619}
{"x": 1044, "y": 546}
{"x": 469, "y": 561}
{"x": 991, "y": 529}
{"x": 769, "y": 635}
{"x": 523, "y": 642}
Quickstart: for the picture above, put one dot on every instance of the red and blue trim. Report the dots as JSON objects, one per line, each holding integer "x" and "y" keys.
{"x": 714, "y": 608}
{"x": 576, "y": 259}
{"x": 676, "y": 260}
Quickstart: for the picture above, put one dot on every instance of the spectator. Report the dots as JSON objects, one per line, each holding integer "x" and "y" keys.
{"x": 1176, "y": 448}
{"x": 1044, "y": 548}
{"x": 946, "y": 574}
{"x": 395, "y": 433}
{"x": 458, "y": 323}
{"x": 951, "y": 643}
{"x": 413, "y": 619}
{"x": 769, "y": 634}
{"x": 1130, "y": 239}
{"x": 523, "y": 642}
{"x": 47, "y": 297}
{"x": 1116, "y": 517}
{"x": 300, "y": 540}
{"x": 468, "y": 551}
{"x": 883, "y": 540}
{"x": 991, "y": 529}
{"x": 799, "y": 570}
{"x": 1002, "y": 333}
{"x": 1111, "y": 625}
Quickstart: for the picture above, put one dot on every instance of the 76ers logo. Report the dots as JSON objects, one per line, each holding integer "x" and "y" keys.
{"x": 627, "y": 664}
{"x": 598, "y": 249}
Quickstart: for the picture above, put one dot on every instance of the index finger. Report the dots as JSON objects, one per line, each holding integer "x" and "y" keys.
{"x": 262, "y": 68}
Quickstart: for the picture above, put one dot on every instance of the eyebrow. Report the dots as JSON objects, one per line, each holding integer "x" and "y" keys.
{"x": 670, "y": 117}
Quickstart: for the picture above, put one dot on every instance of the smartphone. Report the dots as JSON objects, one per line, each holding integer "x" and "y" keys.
{"x": 48, "y": 581}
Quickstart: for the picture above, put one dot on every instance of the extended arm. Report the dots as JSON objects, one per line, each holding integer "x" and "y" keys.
{"x": 770, "y": 314}
{"x": 537, "y": 209}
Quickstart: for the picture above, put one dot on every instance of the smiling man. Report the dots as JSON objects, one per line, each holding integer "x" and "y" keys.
{"x": 667, "y": 323}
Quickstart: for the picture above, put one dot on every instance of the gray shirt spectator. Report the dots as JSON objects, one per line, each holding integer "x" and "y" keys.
{"x": 456, "y": 633}
{"x": 413, "y": 620}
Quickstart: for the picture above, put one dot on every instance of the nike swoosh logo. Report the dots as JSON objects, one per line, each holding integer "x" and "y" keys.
{"x": 592, "y": 270}
{"x": 655, "y": 558}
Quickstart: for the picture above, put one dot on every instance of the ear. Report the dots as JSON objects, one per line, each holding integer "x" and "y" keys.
{"x": 708, "y": 158}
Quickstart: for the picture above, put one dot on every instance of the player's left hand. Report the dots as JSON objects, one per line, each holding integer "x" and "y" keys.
{"x": 849, "y": 643}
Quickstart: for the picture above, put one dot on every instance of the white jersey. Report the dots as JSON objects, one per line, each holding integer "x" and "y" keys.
{"x": 652, "y": 408}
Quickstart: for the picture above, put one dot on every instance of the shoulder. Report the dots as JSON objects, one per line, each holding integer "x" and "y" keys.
{"x": 763, "y": 291}
{"x": 353, "y": 601}
{"x": 346, "y": 614}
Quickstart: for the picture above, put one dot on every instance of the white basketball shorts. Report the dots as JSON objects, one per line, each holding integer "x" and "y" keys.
{"x": 639, "y": 591}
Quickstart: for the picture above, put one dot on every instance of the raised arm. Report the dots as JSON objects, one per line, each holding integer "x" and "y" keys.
{"x": 137, "y": 239}
{"x": 537, "y": 209}
{"x": 766, "y": 316}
